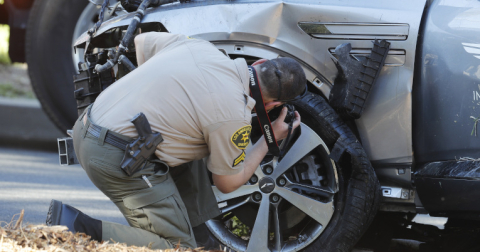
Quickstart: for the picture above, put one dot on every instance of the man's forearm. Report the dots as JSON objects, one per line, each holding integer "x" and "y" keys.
{"x": 254, "y": 156}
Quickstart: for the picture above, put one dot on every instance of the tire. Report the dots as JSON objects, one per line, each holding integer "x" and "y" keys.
{"x": 49, "y": 36}
{"x": 356, "y": 210}
{"x": 357, "y": 199}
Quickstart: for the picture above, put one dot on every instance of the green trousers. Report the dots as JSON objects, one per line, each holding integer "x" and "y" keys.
{"x": 157, "y": 215}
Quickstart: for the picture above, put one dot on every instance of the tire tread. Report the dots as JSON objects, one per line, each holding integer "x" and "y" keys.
{"x": 362, "y": 197}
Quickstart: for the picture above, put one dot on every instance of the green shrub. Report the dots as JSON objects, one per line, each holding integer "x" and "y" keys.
{"x": 4, "y": 36}
{"x": 8, "y": 90}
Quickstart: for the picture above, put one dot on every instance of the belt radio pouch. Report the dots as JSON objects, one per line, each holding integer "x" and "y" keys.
{"x": 141, "y": 149}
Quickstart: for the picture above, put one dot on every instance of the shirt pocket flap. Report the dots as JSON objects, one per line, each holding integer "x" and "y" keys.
{"x": 150, "y": 195}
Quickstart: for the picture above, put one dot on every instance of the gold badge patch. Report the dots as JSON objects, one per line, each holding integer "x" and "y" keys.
{"x": 239, "y": 159}
{"x": 241, "y": 137}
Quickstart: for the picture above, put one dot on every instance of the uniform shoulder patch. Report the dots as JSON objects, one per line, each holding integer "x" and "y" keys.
{"x": 239, "y": 159}
{"x": 241, "y": 137}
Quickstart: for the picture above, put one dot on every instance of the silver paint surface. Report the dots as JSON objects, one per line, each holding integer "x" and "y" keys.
{"x": 367, "y": 31}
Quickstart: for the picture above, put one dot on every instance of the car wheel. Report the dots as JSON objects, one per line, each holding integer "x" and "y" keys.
{"x": 304, "y": 201}
{"x": 52, "y": 27}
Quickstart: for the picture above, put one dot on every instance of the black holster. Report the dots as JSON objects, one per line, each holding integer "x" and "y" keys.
{"x": 141, "y": 149}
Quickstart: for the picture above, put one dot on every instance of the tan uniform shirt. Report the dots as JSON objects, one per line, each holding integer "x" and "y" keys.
{"x": 191, "y": 93}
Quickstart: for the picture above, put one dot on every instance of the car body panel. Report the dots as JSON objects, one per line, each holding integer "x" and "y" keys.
{"x": 447, "y": 91}
{"x": 385, "y": 127}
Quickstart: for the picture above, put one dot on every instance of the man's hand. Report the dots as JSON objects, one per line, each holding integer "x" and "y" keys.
{"x": 280, "y": 128}
{"x": 230, "y": 183}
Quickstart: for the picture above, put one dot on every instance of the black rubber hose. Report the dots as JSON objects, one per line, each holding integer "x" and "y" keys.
{"x": 102, "y": 68}
{"x": 127, "y": 39}
{"x": 132, "y": 5}
{"x": 100, "y": 18}
{"x": 126, "y": 62}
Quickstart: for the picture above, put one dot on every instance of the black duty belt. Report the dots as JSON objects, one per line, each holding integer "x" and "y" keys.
{"x": 139, "y": 150}
{"x": 110, "y": 138}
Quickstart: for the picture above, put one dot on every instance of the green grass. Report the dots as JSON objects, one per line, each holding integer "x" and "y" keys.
{"x": 239, "y": 228}
{"x": 8, "y": 90}
{"x": 4, "y": 36}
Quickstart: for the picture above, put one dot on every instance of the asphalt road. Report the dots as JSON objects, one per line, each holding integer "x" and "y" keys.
{"x": 30, "y": 179}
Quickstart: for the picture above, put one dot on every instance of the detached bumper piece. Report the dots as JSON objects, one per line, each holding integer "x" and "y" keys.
{"x": 450, "y": 188}
{"x": 355, "y": 79}
{"x": 66, "y": 152}
{"x": 88, "y": 83}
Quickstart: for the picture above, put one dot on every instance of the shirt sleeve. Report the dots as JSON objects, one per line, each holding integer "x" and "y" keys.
{"x": 227, "y": 142}
{"x": 150, "y": 43}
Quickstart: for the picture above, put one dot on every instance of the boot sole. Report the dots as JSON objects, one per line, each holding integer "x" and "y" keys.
{"x": 54, "y": 212}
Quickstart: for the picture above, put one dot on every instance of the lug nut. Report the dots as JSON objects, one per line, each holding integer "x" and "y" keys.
{"x": 254, "y": 179}
{"x": 268, "y": 170}
{"x": 257, "y": 196}
{"x": 282, "y": 182}
{"x": 275, "y": 198}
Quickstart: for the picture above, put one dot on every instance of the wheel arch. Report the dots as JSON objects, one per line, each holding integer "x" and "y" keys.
{"x": 278, "y": 26}
{"x": 271, "y": 38}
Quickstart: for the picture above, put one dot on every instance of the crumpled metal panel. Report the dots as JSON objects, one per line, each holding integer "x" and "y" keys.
{"x": 385, "y": 127}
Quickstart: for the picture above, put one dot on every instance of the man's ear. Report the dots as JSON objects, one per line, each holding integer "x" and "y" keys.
{"x": 260, "y": 61}
{"x": 271, "y": 105}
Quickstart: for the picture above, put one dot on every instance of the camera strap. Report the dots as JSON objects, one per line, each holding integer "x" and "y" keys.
{"x": 262, "y": 114}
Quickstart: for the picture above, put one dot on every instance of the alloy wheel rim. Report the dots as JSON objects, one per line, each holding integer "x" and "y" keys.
{"x": 284, "y": 190}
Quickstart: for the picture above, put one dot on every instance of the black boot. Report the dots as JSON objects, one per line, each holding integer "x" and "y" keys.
{"x": 76, "y": 221}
